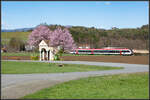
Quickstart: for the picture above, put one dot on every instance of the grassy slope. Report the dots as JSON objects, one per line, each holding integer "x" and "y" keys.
{"x": 121, "y": 86}
{"x": 9, "y": 67}
{"x": 6, "y": 36}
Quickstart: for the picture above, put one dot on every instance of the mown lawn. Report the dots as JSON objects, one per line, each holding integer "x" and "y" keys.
{"x": 9, "y": 67}
{"x": 122, "y": 86}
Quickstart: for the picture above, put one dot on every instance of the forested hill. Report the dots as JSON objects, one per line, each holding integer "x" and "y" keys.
{"x": 137, "y": 38}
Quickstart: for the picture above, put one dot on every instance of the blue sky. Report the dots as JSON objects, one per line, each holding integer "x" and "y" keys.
{"x": 97, "y": 14}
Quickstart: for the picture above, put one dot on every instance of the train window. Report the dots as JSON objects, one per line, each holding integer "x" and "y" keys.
{"x": 106, "y": 51}
{"x": 111, "y": 51}
{"x": 101, "y": 51}
{"x": 117, "y": 51}
{"x": 84, "y": 51}
{"x": 98, "y": 51}
{"x": 125, "y": 51}
{"x": 81, "y": 51}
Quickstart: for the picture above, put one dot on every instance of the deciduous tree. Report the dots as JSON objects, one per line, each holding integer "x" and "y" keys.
{"x": 58, "y": 37}
{"x": 41, "y": 32}
{"x": 62, "y": 37}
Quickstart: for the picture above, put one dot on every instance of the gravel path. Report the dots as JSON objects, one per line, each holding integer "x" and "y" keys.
{"x": 17, "y": 85}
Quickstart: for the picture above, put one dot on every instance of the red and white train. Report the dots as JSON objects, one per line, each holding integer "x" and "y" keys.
{"x": 104, "y": 51}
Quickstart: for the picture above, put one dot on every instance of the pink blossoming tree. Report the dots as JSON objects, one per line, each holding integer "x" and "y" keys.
{"x": 41, "y": 32}
{"x": 62, "y": 38}
{"x": 58, "y": 37}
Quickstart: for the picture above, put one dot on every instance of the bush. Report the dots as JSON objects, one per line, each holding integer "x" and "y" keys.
{"x": 59, "y": 55}
{"x": 34, "y": 58}
{"x": 56, "y": 57}
{"x": 16, "y": 44}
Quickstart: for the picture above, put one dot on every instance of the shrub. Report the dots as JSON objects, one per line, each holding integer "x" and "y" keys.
{"x": 16, "y": 44}
{"x": 56, "y": 57}
{"x": 34, "y": 58}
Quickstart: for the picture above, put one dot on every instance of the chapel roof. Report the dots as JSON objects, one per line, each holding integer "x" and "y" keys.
{"x": 47, "y": 42}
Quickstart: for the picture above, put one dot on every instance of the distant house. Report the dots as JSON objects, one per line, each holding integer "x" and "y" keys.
{"x": 84, "y": 46}
{"x": 113, "y": 47}
{"x": 3, "y": 50}
{"x": 29, "y": 48}
{"x": 141, "y": 51}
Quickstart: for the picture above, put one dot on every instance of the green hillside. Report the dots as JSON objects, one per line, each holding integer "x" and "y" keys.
{"x": 6, "y": 36}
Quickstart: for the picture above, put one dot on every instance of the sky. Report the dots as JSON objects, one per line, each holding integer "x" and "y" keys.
{"x": 98, "y": 14}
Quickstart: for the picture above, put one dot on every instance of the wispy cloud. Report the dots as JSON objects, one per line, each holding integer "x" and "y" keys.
{"x": 107, "y": 3}
{"x": 5, "y": 26}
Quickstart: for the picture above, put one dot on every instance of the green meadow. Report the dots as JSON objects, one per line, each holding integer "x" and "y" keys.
{"x": 122, "y": 86}
{"x": 12, "y": 67}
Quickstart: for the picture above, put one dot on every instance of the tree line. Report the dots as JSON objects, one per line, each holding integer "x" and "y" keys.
{"x": 134, "y": 38}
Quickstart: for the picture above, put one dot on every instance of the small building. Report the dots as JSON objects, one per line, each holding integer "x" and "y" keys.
{"x": 29, "y": 48}
{"x": 140, "y": 51}
{"x": 114, "y": 47}
{"x": 46, "y": 51}
{"x": 84, "y": 46}
{"x": 3, "y": 50}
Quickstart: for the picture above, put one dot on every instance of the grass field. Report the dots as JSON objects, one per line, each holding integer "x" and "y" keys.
{"x": 9, "y": 67}
{"x": 123, "y": 86}
{"x": 6, "y": 36}
{"x": 20, "y": 54}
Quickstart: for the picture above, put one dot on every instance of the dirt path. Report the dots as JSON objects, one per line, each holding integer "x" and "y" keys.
{"x": 115, "y": 59}
{"x": 15, "y": 57}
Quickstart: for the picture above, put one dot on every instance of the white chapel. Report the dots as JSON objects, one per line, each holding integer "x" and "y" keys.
{"x": 46, "y": 52}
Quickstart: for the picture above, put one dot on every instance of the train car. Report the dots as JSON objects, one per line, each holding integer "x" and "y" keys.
{"x": 104, "y": 51}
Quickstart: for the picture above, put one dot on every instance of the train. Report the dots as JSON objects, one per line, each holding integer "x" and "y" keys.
{"x": 104, "y": 51}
